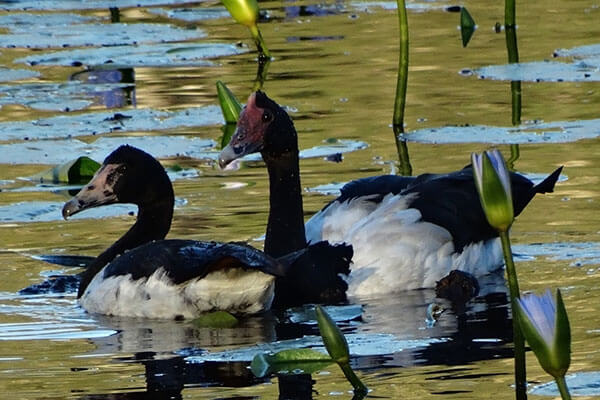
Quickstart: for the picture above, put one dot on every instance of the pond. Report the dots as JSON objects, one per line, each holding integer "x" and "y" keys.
{"x": 74, "y": 84}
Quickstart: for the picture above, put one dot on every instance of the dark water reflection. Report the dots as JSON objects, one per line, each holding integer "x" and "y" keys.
{"x": 177, "y": 355}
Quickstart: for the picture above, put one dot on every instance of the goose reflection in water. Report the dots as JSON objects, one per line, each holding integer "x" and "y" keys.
{"x": 169, "y": 351}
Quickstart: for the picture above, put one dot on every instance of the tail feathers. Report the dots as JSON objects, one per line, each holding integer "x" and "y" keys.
{"x": 523, "y": 197}
{"x": 53, "y": 285}
{"x": 547, "y": 185}
{"x": 314, "y": 276}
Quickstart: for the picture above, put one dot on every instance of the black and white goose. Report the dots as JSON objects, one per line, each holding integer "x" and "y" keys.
{"x": 142, "y": 275}
{"x": 406, "y": 232}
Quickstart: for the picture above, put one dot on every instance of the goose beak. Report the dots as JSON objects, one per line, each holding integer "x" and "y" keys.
{"x": 97, "y": 192}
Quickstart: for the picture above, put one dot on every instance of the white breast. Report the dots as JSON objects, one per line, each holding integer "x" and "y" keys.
{"x": 394, "y": 249}
{"x": 233, "y": 290}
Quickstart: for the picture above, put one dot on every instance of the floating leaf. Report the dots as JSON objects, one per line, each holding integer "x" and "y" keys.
{"x": 542, "y": 71}
{"x": 149, "y": 55}
{"x": 82, "y": 4}
{"x": 291, "y": 361}
{"x": 95, "y": 34}
{"x": 217, "y": 319}
{"x": 191, "y": 14}
{"x": 95, "y": 123}
{"x": 467, "y": 26}
{"x": 9, "y": 75}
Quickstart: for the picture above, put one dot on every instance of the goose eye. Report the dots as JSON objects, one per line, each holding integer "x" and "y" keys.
{"x": 122, "y": 168}
{"x": 267, "y": 116}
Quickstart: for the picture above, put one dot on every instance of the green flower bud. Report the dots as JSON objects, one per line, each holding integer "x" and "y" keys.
{"x": 244, "y": 12}
{"x": 334, "y": 339}
{"x": 492, "y": 180}
{"x": 545, "y": 325}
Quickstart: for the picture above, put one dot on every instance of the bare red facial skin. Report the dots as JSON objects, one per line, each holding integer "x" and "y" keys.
{"x": 250, "y": 127}
{"x": 249, "y": 134}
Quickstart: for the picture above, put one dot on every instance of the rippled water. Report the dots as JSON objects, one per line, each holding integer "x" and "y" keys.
{"x": 334, "y": 69}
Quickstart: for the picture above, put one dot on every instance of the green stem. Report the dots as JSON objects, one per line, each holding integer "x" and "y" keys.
{"x": 400, "y": 102}
{"x": 402, "y": 149}
{"x": 510, "y": 17}
{"x": 518, "y": 339}
{"x": 261, "y": 74}
{"x": 562, "y": 388}
{"x": 357, "y": 384}
{"x": 261, "y": 46}
{"x": 515, "y": 153}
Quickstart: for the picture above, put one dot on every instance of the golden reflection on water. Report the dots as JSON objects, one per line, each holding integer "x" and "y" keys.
{"x": 341, "y": 89}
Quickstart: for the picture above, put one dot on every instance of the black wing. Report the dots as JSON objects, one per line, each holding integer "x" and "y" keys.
{"x": 183, "y": 260}
{"x": 451, "y": 201}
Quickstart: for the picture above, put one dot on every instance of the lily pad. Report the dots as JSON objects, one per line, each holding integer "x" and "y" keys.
{"x": 48, "y": 36}
{"x": 307, "y": 315}
{"x": 579, "y": 384}
{"x": 360, "y": 345}
{"x": 217, "y": 319}
{"x": 61, "y": 151}
{"x": 25, "y": 22}
{"x": 10, "y": 75}
{"x": 192, "y": 14}
{"x": 366, "y": 6}
{"x": 591, "y": 50}
{"x": 541, "y": 71}
{"x": 48, "y": 211}
{"x": 69, "y": 96}
{"x": 82, "y": 4}
{"x": 292, "y": 361}
{"x": 150, "y": 55}
{"x": 551, "y": 132}
{"x": 578, "y": 253}
{"x": 143, "y": 119}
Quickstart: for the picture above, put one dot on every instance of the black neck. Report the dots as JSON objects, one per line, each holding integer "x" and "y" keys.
{"x": 285, "y": 230}
{"x": 153, "y": 223}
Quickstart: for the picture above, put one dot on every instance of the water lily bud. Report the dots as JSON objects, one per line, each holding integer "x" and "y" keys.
{"x": 492, "y": 180}
{"x": 244, "y": 12}
{"x": 334, "y": 339}
{"x": 545, "y": 325}
{"x": 230, "y": 106}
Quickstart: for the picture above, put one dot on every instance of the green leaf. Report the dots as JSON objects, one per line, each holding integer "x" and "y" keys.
{"x": 467, "y": 26}
{"x": 230, "y": 105}
{"x": 228, "y": 130}
{"x": 75, "y": 171}
{"x": 217, "y": 319}
{"x": 289, "y": 361}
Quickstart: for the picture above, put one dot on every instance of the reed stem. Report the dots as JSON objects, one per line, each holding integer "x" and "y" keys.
{"x": 518, "y": 339}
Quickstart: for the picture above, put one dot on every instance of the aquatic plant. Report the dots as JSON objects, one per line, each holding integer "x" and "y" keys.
{"x": 492, "y": 180}
{"x": 245, "y": 12}
{"x": 337, "y": 347}
{"x": 467, "y": 26}
{"x": 401, "y": 84}
{"x": 545, "y": 325}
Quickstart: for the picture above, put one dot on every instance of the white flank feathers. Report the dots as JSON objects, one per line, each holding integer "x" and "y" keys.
{"x": 233, "y": 290}
{"x": 394, "y": 249}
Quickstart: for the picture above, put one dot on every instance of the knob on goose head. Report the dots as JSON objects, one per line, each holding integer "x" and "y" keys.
{"x": 123, "y": 178}
{"x": 263, "y": 127}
